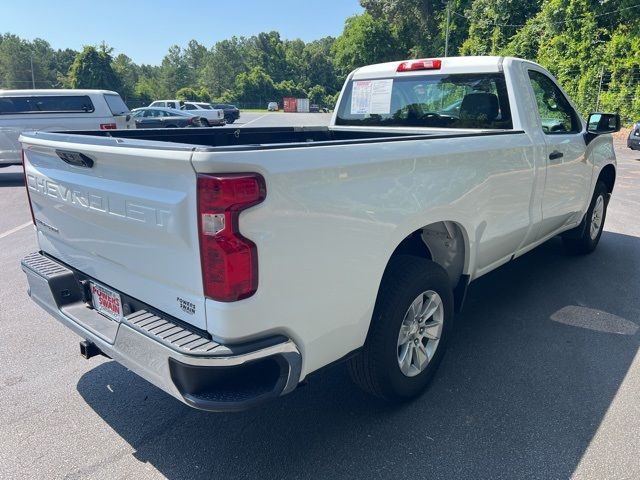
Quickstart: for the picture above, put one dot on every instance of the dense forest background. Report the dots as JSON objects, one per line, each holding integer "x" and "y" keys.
{"x": 591, "y": 46}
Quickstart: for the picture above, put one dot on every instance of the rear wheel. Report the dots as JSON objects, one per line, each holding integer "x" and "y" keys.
{"x": 204, "y": 122}
{"x": 230, "y": 120}
{"x": 411, "y": 324}
{"x": 585, "y": 237}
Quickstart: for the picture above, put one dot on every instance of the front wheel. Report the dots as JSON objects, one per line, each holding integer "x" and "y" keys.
{"x": 409, "y": 330}
{"x": 585, "y": 237}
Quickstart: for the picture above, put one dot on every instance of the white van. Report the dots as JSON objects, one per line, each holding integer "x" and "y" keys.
{"x": 22, "y": 110}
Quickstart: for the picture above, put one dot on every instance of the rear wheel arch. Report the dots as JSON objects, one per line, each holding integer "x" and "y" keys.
{"x": 445, "y": 243}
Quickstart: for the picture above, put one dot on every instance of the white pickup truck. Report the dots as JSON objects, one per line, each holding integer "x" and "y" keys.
{"x": 226, "y": 266}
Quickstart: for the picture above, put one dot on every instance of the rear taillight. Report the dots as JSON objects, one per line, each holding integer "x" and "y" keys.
{"x": 426, "y": 64}
{"x": 26, "y": 186}
{"x": 108, "y": 126}
{"x": 229, "y": 260}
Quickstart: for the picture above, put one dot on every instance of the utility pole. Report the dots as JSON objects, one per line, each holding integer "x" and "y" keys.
{"x": 33, "y": 78}
{"x": 599, "y": 89}
{"x": 446, "y": 38}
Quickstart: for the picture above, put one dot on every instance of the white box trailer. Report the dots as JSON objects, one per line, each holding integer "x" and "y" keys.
{"x": 302, "y": 105}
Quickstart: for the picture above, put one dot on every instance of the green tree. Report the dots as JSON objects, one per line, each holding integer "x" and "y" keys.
{"x": 128, "y": 72}
{"x": 174, "y": 73}
{"x": 92, "y": 69}
{"x": 317, "y": 95}
{"x": 187, "y": 93}
{"x": 494, "y": 22}
{"x": 255, "y": 87}
{"x": 288, "y": 88}
{"x": 365, "y": 40}
{"x": 226, "y": 60}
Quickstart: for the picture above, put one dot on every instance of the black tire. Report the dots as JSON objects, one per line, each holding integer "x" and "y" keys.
{"x": 580, "y": 241}
{"x": 231, "y": 120}
{"x": 171, "y": 126}
{"x": 376, "y": 367}
{"x": 204, "y": 122}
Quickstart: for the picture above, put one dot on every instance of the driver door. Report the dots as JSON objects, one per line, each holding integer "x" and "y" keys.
{"x": 568, "y": 174}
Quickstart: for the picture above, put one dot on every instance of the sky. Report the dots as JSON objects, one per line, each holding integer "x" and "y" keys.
{"x": 145, "y": 29}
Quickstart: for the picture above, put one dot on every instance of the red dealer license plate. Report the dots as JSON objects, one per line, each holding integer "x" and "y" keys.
{"x": 106, "y": 301}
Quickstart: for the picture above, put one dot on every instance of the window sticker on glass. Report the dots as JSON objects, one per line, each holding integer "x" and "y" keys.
{"x": 371, "y": 97}
{"x": 381, "y": 96}
{"x": 361, "y": 97}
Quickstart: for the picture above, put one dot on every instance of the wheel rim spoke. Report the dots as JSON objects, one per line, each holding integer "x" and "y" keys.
{"x": 417, "y": 306}
{"x": 406, "y": 356}
{"x": 432, "y": 330}
{"x": 434, "y": 304}
{"x": 404, "y": 334}
{"x": 421, "y": 356}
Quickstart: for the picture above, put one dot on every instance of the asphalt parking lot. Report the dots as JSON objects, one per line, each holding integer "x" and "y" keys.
{"x": 542, "y": 381}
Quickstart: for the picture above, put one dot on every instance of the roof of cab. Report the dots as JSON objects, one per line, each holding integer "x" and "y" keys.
{"x": 55, "y": 91}
{"x": 470, "y": 64}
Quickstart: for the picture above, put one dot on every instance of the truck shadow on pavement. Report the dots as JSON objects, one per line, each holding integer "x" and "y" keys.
{"x": 538, "y": 355}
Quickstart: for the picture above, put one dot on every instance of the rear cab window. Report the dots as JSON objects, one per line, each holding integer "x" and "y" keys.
{"x": 46, "y": 104}
{"x": 116, "y": 104}
{"x": 465, "y": 101}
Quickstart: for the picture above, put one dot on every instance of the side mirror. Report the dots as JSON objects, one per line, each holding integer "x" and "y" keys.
{"x": 600, "y": 123}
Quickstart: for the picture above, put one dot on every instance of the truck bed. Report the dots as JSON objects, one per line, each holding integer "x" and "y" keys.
{"x": 258, "y": 138}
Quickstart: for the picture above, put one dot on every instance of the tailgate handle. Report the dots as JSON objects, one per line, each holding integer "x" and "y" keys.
{"x": 75, "y": 158}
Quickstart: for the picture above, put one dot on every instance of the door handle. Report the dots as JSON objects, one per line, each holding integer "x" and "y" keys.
{"x": 555, "y": 155}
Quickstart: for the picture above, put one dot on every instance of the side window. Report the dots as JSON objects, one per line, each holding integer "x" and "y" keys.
{"x": 171, "y": 104}
{"x": 556, "y": 113}
{"x": 46, "y": 104}
{"x": 188, "y": 106}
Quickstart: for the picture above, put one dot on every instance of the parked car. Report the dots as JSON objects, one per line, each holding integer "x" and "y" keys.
{"x": 314, "y": 108}
{"x": 633, "y": 142}
{"x": 231, "y": 112}
{"x": 154, "y": 117}
{"x": 210, "y": 116}
{"x": 272, "y": 107}
{"x": 225, "y": 268}
{"x": 22, "y": 110}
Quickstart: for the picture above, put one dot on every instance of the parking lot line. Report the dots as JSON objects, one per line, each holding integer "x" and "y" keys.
{"x": 14, "y": 230}
{"x": 254, "y": 120}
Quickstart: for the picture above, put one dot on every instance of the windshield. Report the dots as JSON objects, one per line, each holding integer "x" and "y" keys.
{"x": 438, "y": 101}
{"x": 116, "y": 105}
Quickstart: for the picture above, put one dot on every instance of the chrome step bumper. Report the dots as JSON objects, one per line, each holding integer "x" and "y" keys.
{"x": 180, "y": 360}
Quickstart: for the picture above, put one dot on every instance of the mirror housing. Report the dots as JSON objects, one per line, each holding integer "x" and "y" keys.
{"x": 601, "y": 123}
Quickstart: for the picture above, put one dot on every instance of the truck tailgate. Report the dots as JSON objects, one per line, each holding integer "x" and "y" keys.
{"x": 128, "y": 218}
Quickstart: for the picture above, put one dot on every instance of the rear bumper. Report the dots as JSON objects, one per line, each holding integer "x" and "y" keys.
{"x": 180, "y": 360}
